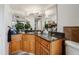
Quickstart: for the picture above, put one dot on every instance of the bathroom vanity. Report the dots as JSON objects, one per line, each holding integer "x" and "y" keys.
{"x": 36, "y": 44}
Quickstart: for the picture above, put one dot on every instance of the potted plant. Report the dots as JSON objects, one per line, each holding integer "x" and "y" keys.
{"x": 19, "y": 27}
{"x": 27, "y": 26}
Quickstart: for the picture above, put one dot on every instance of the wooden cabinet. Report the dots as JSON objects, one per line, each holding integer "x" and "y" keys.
{"x": 37, "y": 45}
{"x": 56, "y": 47}
{"x": 25, "y": 43}
{"x": 72, "y": 33}
{"x": 44, "y": 47}
{"x": 15, "y": 44}
{"x": 44, "y": 51}
{"x": 45, "y": 43}
{"x": 28, "y": 43}
{"x": 34, "y": 44}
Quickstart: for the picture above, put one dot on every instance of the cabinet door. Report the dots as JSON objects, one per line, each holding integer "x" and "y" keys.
{"x": 29, "y": 43}
{"x": 45, "y": 43}
{"x": 15, "y": 44}
{"x": 25, "y": 45}
{"x": 37, "y": 46}
{"x": 41, "y": 48}
{"x": 56, "y": 47}
{"x": 32, "y": 43}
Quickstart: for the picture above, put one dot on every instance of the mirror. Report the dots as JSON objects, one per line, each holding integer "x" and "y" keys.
{"x": 40, "y": 17}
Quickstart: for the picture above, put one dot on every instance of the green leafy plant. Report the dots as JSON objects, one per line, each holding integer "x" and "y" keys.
{"x": 27, "y": 25}
{"x": 46, "y": 25}
{"x": 19, "y": 26}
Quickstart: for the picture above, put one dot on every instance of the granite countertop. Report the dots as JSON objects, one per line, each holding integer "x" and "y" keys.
{"x": 46, "y": 37}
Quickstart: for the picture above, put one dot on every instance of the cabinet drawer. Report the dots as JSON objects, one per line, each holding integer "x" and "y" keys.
{"x": 46, "y": 44}
{"x": 44, "y": 51}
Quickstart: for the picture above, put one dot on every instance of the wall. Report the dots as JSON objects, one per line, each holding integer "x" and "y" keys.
{"x": 1, "y": 29}
{"x": 68, "y": 15}
{"x": 5, "y": 21}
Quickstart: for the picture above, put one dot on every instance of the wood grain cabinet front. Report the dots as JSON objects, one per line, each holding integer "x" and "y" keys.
{"x": 56, "y": 47}
{"x": 44, "y": 51}
{"x": 32, "y": 43}
{"x": 25, "y": 43}
{"x": 44, "y": 47}
{"x": 35, "y": 45}
{"x": 45, "y": 43}
{"x": 28, "y": 43}
{"x": 15, "y": 44}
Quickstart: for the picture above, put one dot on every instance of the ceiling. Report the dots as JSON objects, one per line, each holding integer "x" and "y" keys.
{"x": 31, "y": 8}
